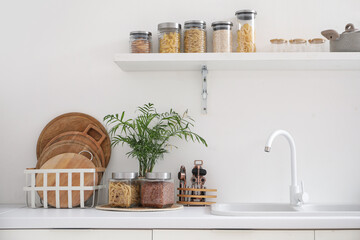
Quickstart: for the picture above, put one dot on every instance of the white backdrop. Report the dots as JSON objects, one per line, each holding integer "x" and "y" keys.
{"x": 56, "y": 57}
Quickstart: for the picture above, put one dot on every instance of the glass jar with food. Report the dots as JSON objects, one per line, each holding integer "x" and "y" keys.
{"x": 317, "y": 45}
{"x": 140, "y": 42}
{"x": 297, "y": 45}
{"x": 195, "y": 36}
{"x": 222, "y": 36}
{"x": 246, "y": 31}
{"x": 169, "y": 37}
{"x": 124, "y": 190}
{"x": 278, "y": 45}
{"x": 157, "y": 190}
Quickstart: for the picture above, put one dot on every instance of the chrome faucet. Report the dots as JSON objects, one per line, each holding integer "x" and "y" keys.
{"x": 297, "y": 195}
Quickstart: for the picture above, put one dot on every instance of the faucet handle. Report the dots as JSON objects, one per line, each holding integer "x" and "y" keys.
{"x": 303, "y": 196}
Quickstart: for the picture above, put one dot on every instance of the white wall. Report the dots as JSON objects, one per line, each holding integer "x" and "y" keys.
{"x": 56, "y": 57}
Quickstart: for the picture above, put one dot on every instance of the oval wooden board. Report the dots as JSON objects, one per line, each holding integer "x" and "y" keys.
{"x": 79, "y": 137}
{"x": 67, "y": 161}
{"x": 108, "y": 207}
{"x": 73, "y": 121}
{"x": 66, "y": 146}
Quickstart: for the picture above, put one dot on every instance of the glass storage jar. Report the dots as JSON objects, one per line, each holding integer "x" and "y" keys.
{"x": 195, "y": 36}
{"x": 124, "y": 190}
{"x": 157, "y": 190}
{"x": 278, "y": 45}
{"x": 317, "y": 45}
{"x": 222, "y": 36}
{"x": 140, "y": 42}
{"x": 169, "y": 37}
{"x": 297, "y": 45}
{"x": 246, "y": 31}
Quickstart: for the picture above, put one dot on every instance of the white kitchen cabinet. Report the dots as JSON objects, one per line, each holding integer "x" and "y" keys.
{"x": 234, "y": 234}
{"x": 88, "y": 234}
{"x": 337, "y": 235}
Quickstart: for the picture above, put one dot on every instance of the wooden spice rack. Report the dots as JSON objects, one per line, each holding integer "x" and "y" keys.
{"x": 196, "y": 200}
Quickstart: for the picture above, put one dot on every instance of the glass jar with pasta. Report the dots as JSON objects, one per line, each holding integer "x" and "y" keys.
{"x": 169, "y": 37}
{"x": 246, "y": 31}
{"x": 124, "y": 190}
{"x": 140, "y": 42}
{"x": 195, "y": 36}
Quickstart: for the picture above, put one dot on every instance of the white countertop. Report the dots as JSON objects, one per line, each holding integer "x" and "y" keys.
{"x": 20, "y": 217}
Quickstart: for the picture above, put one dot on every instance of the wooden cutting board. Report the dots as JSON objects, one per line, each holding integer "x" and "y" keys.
{"x": 80, "y": 137}
{"x": 67, "y": 146}
{"x": 74, "y": 121}
{"x": 67, "y": 161}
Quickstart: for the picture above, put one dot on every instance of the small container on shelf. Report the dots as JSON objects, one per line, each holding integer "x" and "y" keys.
{"x": 124, "y": 190}
{"x": 297, "y": 45}
{"x": 140, "y": 42}
{"x": 246, "y": 31}
{"x": 195, "y": 36}
{"x": 157, "y": 190}
{"x": 278, "y": 45}
{"x": 222, "y": 36}
{"x": 317, "y": 45}
{"x": 169, "y": 37}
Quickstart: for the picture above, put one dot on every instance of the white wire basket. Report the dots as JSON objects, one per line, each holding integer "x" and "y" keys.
{"x": 33, "y": 199}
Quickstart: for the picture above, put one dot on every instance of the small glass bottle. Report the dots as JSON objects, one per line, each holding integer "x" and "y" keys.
{"x": 246, "y": 31}
{"x": 222, "y": 36}
{"x": 317, "y": 45}
{"x": 195, "y": 36}
{"x": 278, "y": 45}
{"x": 124, "y": 190}
{"x": 297, "y": 45}
{"x": 157, "y": 190}
{"x": 169, "y": 37}
{"x": 140, "y": 42}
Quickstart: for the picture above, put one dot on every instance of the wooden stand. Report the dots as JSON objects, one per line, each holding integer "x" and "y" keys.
{"x": 191, "y": 199}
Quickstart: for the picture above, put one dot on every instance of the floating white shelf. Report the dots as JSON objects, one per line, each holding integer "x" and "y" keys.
{"x": 239, "y": 61}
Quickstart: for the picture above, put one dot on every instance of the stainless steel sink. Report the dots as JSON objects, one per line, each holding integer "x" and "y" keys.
{"x": 274, "y": 209}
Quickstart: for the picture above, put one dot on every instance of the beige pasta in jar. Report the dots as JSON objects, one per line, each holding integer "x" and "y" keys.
{"x": 195, "y": 36}
{"x": 169, "y": 37}
{"x": 140, "y": 42}
{"x": 245, "y": 37}
{"x": 124, "y": 190}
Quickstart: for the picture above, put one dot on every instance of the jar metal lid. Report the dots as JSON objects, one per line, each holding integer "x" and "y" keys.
{"x": 316, "y": 41}
{"x": 246, "y": 14}
{"x": 297, "y": 41}
{"x": 278, "y": 41}
{"x": 124, "y": 175}
{"x": 169, "y": 25}
{"x": 140, "y": 33}
{"x": 221, "y": 23}
{"x": 158, "y": 175}
{"x": 200, "y": 22}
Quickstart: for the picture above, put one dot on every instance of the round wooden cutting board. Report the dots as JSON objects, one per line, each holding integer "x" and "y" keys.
{"x": 74, "y": 121}
{"x": 66, "y": 146}
{"x": 79, "y": 137}
{"x": 67, "y": 161}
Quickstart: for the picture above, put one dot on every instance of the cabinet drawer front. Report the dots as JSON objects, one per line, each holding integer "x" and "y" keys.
{"x": 86, "y": 234}
{"x": 337, "y": 234}
{"x": 233, "y": 234}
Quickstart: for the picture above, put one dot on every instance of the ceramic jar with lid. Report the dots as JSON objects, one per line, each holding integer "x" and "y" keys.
{"x": 169, "y": 34}
{"x": 246, "y": 30}
{"x": 195, "y": 36}
{"x": 124, "y": 189}
{"x": 222, "y": 36}
{"x": 140, "y": 42}
{"x": 157, "y": 190}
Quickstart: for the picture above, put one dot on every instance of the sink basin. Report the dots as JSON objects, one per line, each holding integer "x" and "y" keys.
{"x": 275, "y": 209}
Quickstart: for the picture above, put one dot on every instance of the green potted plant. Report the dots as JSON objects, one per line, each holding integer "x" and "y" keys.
{"x": 148, "y": 134}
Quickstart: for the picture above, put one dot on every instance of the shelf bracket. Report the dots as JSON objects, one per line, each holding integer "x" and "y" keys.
{"x": 204, "y": 93}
